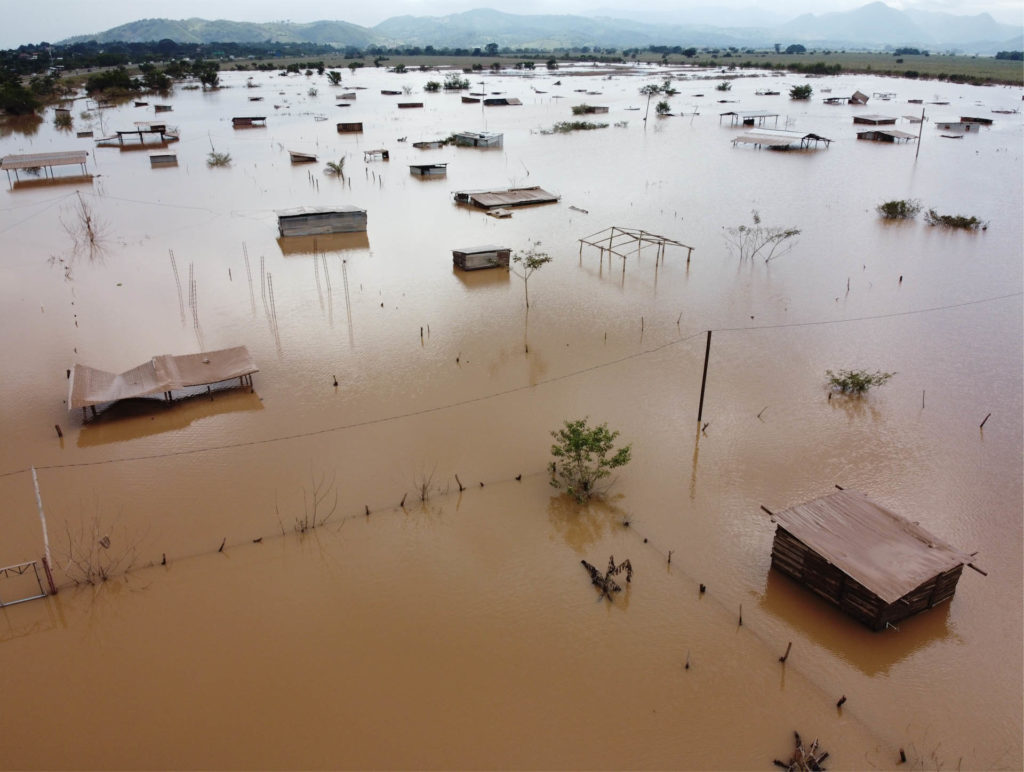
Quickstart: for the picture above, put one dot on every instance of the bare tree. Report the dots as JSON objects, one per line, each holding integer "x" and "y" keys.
{"x": 758, "y": 240}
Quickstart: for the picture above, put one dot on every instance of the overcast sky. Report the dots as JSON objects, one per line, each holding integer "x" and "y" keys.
{"x": 34, "y": 21}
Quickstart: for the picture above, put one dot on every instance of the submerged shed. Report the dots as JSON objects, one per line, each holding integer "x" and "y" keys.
{"x": 478, "y": 139}
{"x": 749, "y": 117}
{"x": 777, "y": 139}
{"x": 501, "y": 101}
{"x": 858, "y": 98}
{"x": 427, "y": 170}
{"x": 475, "y": 258}
{"x": 312, "y": 221}
{"x": 873, "y": 564}
{"x": 874, "y": 120}
{"x": 249, "y": 121}
{"x": 886, "y": 135}
{"x": 44, "y": 161}
{"x": 354, "y": 127}
{"x": 489, "y": 199}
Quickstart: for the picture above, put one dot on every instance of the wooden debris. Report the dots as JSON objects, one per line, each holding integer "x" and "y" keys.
{"x": 604, "y": 582}
{"x": 803, "y": 759}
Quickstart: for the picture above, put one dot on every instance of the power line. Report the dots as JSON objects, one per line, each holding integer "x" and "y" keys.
{"x": 505, "y": 392}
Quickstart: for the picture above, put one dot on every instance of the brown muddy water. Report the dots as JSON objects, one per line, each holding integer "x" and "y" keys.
{"x": 461, "y": 631}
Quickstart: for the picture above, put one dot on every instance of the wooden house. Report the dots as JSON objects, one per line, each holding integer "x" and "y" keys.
{"x": 249, "y": 122}
{"x": 886, "y": 135}
{"x": 874, "y": 120}
{"x": 478, "y": 139}
{"x": 858, "y": 98}
{"x": 312, "y": 221}
{"x": 475, "y": 258}
{"x": 873, "y": 564}
{"x": 429, "y": 170}
{"x": 350, "y": 128}
{"x": 492, "y": 199}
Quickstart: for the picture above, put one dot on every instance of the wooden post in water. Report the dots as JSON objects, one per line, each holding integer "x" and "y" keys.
{"x": 47, "y": 561}
{"x": 920, "y": 129}
{"x": 704, "y": 378}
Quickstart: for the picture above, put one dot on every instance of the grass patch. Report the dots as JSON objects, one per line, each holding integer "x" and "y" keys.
{"x": 565, "y": 127}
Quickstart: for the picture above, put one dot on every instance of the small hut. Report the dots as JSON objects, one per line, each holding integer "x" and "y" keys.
{"x": 886, "y": 135}
{"x": 475, "y": 258}
{"x": 162, "y": 158}
{"x": 350, "y": 128}
{"x": 312, "y": 221}
{"x": 875, "y": 565}
{"x": 249, "y": 122}
{"x": 429, "y": 170}
{"x": 858, "y": 98}
{"x": 874, "y": 120}
{"x": 478, "y": 139}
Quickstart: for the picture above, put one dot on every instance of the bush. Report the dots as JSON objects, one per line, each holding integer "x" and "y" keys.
{"x": 432, "y": 86}
{"x": 583, "y": 457}
{"x": 801, "y": 92}
{"x": 856, "y": 382}
{"x": 564, "y": 127}
{"x": 455, "y": 82}
{"x": 724, "y": 86}
{"x": 955, "y": 221}
{"x": 904, "y": 209}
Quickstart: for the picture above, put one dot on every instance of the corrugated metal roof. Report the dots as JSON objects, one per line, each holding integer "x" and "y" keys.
{"x": 32, "y": 160}
{"x": 305, "y": 210}
{"x": 883, "y": 551}
{"x": 475, "y": 250}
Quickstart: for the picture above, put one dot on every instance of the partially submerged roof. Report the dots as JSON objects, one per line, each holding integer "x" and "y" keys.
{"x": 308, "y": 210}
{"x": 894, "y": 133}
{"x": 33, "y": 160}
{"x": 477, "y": 250}
{"x": 886, "y": 553}
{"x": 487, "y": 199}
{"x": 90, "y": 386}
{"x": 779, "y": 139}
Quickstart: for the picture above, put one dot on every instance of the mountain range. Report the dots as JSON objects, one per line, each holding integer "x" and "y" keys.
{"x": 872, "y": 26}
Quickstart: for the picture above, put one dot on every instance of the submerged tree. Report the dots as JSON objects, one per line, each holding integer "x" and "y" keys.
{"x": 803, "y": 91}
{"x": 856, "y": 382}
{"x": 758, "y": 240}
{"x": 584, "y": 456}
{"x": 528, "y": 262}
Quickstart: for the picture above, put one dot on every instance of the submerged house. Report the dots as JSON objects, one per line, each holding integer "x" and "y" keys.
{"x": 858, "y": 98}
{"x": 886, "y": 135}
{"x": 475, "y": 258}
{"x": 354, "y": 127}
{"x": 249, "y": 121}
{"x": 871, "y": 563}
{"x": 478, "y": 139}
{"x": 313, "y": 221}
{"x": 427, "y": 170}
{"x": 957, "y": 126}
{"x": 501, "y": 101}
{"x": 874, "y": 120}
{"x": 777, "y": 139}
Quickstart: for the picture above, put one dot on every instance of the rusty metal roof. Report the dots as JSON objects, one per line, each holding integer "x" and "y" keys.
{"x": 885, "y": 552}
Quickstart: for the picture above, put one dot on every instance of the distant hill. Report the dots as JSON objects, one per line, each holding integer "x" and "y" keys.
{"x": 337, "y": 33}
{"x": 875, "y": 25}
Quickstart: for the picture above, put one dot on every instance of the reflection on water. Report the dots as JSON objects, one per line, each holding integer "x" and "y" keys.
{"x": 329, "y": 242}
{"x": 51, "y": 182}
{"x": 583, "y": 525}
{"x": 872, "y": 653}
{"x": 135, "y": 418}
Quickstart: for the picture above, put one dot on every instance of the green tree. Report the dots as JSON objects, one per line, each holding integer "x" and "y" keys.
{"x": 334, "y": 77}
{"x": 528, "y": 263}
{"x": 583, "y": 457}
{"x": 431, "y": 86}
{"x": 663, "y": 108}
{"x": 801, "y": 92}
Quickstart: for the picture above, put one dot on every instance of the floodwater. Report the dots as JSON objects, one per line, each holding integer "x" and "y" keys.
{"x": 461, "y": 631}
